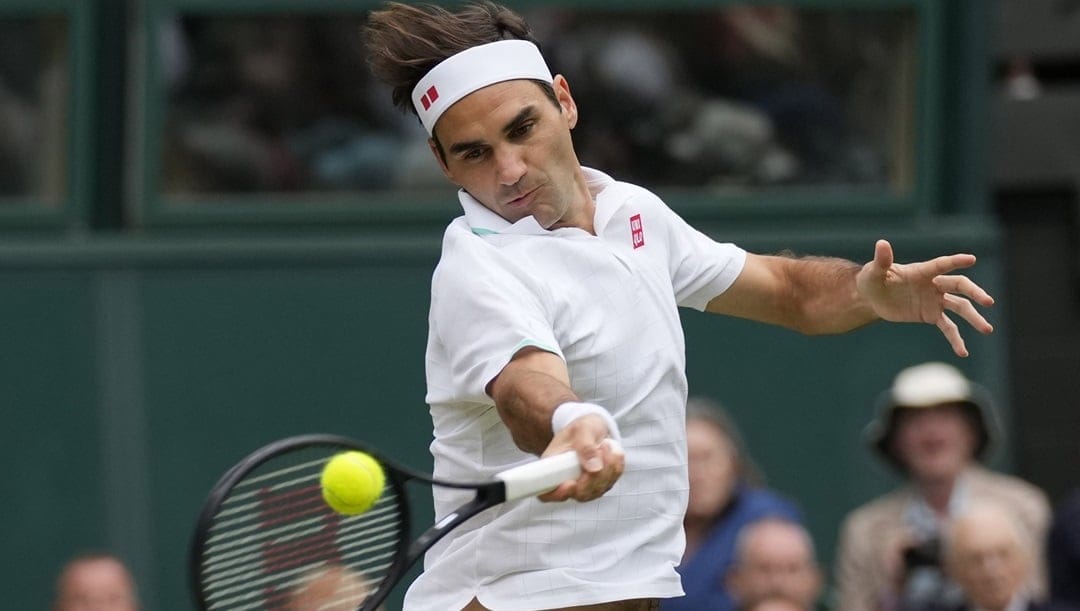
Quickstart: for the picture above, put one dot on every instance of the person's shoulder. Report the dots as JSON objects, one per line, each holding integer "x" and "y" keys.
{"x": 457, "y": 229}
{"x": 765, "y": 501}
{"x": 464, "y": 252}
{"x": 461, "y": 240}
{"x": 881, "y": 509}
{"x": 988, "y": 482}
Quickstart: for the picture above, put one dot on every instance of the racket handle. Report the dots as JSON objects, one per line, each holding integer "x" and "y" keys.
{"x": 540, "y": 476}
{"x": 545, "y": 474}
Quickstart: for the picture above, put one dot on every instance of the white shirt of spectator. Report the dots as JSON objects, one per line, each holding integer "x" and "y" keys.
{"x": 608, "y": 305}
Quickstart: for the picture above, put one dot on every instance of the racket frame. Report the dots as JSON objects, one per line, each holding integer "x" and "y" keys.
{"x": 406, "y": 552}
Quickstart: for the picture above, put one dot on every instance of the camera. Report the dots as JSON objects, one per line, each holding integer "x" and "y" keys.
{"x": 923, "y": 554}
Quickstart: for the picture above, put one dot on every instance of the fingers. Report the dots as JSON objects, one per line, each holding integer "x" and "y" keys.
{"x": 925, "y": 292}
{"x": 952, "y": 334}
{"x": 962, "y": 285}
{"x": 883, "y": 255}
{"x": 946, "y": 263}
{"x": 967, "y": 311}
{"x": 602, "y": 465}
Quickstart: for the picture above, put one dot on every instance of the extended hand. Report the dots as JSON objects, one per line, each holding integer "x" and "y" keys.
{"x": 922, "y": 292}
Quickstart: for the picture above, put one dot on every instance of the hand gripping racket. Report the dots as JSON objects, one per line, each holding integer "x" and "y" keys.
{"x": 266, "y": 539}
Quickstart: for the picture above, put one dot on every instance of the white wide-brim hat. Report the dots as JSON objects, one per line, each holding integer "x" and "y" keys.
{"x": 925, "y": 386}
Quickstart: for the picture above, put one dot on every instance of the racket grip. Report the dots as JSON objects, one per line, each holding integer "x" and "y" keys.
{"x": 540, "y": 476}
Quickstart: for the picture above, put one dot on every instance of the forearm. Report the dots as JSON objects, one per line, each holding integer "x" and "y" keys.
{"x": 825, "y": 296}
{"x": 526, "y": 393}
{"x": 812, "y": 295}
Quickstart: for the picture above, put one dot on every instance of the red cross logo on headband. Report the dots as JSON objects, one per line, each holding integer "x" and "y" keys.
{"x": 430, "y": 97}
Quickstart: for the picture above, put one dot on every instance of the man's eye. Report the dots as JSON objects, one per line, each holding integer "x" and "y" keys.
{"x": 521, "y": 130}
{"x": 473, "y": 155}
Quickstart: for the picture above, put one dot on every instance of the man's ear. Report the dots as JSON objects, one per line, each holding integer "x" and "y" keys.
{"x": 566, "y": 100}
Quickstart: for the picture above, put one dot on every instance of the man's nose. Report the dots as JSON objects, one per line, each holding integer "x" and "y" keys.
{"x": 509, "y": 165}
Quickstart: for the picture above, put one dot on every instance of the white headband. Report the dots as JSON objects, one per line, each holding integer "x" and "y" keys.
{"x": 475, "y": 68}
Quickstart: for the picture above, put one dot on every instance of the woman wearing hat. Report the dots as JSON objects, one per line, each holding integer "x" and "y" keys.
{"x": 934, "y": 427}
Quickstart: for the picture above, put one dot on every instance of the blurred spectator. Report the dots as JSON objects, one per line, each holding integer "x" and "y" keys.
{"x": 95, "y": 582}
{"x": 725, "y": 495}
{"x": 35, "y": 80}
{"x": 773, "y": 603}
{"x": 932, "y": 426}
{"x": 991, "y": 557}
{"x": 1064, "y": 551}
{"x": 1020, "y": 80}
{"x": 336, "y": 588}
{"x": 775, "y": 558}
{"x": 264, "y": 103}
{"x": 733, "y": 96}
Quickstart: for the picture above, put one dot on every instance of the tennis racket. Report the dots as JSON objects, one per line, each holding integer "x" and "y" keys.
{"x": 265, "y": 538}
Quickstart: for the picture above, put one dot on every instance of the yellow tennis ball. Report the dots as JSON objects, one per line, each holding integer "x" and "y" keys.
{"x": 352, "y": 482}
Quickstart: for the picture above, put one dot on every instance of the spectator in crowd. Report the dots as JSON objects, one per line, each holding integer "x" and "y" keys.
{"x": 772, "y": 603}
{"x": 933, "y": 426}
{"x": 726, "y": 493}
{"x": 336, "y": 588}
{"x": 1064, "y": 551}
{"x": 95, "y": 582}
{"x": 990, "y": 556}
{"x": 775, "y": 558}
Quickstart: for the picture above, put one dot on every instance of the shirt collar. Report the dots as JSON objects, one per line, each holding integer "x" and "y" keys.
{"x": 483, "y": 221}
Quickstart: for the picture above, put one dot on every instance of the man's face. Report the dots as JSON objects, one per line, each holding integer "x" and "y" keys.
{"x": 712, "y": 468}
{"x": 777, "y": 560}
{"x": 987, "y": 559}
{"x": 96, "y": 585}
{"x": 934, "y": 443}
{"x": 508, "y": 145}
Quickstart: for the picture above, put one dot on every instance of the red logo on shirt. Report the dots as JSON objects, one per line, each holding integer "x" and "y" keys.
{"x": 430, "y": 97}
{"x": 637, "y": 234}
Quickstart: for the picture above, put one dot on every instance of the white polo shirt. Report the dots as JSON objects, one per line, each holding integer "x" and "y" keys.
{"x": 608, "y": 305}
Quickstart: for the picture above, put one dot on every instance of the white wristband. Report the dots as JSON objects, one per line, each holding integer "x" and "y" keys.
{"x": 572, "y": 410}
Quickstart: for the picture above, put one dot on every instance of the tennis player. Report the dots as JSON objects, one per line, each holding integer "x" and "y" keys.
{"x": 554, "y": 323}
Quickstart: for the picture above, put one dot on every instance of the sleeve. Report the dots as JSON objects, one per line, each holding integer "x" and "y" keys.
{"x": 482, "y": 313}
{"x": 701, "y": 268}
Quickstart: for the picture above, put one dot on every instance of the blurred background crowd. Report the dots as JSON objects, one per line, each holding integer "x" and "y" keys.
{"x": 745, "y": 96}
{"x": 962, "y": 487}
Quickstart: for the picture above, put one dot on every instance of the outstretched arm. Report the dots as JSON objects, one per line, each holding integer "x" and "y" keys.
{"x": 822, "y": 295}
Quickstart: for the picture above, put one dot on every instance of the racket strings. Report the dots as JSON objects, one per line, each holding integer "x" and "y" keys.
{"x": 275, "y": 544}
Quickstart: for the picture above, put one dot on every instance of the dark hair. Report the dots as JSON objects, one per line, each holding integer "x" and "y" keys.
{"x": 405, "y": 42}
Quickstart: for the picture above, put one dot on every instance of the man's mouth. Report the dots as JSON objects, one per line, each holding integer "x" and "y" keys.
{"x": 522, "y": 200}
